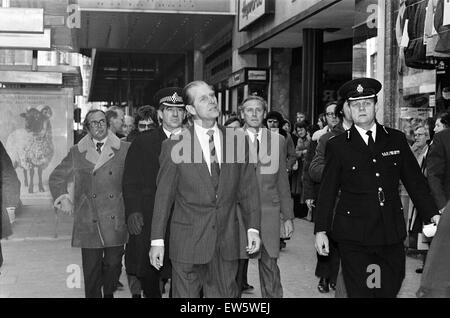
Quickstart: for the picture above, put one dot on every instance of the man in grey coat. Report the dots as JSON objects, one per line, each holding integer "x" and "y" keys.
{"x": 96, "y": 166}
{"x": 274, "y": 193}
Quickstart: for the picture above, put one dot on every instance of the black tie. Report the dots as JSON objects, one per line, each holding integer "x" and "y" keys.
{"x": 215, "y": 168}
{"x": 257, "y": 144}
{"x": 371, "y": 143}
{"x": 99, "y": 147}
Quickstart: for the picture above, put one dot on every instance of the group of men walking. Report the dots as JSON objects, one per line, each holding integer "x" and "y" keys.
{"x": 194, "y": 200}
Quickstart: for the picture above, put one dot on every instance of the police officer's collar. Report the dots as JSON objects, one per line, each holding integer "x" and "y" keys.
{"x": 383, "y": 128}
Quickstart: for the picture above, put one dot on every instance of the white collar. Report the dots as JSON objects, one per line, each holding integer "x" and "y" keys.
{"x": 175, "y": 132}
{"x": 102, "y": 141}
{"x": 364, "y": 135}
{"x": 252, "y": 135}
{"x": 204, "y": 131}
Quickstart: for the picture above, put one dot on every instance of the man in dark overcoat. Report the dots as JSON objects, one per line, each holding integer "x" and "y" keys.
{"x": 139, "y": 188}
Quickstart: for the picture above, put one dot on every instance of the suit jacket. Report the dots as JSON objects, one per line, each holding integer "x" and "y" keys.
{"x": 9, "y": 190}
{"x": 139, "y": 189}
{"x": 202, "y": 219}
{"x": 369, "y": 211}
{"x": 274, "y": 190}
{"x": 438, "y": 168}
{"x": 99, "y": 216}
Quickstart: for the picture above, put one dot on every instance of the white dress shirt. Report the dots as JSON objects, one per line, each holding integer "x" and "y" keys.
{"x": 203, "y": 137}
{"x": 364, "y": 135}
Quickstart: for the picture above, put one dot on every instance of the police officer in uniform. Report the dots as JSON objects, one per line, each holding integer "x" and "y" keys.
{"x": 365, "y": 165}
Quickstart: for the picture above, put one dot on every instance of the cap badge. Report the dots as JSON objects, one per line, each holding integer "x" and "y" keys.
{"x": 175, "y": 97}
{"x": 360, "y": 89}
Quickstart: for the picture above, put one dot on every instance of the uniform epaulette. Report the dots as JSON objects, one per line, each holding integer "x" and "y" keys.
{"x": 385, "y": 130}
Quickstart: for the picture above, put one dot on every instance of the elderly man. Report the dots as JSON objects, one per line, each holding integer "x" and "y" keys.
{"x": 128, "y": 125}
{"x": 205, "y": 190}
{"x": 115, "y": 118}
{"x": 365, "y": 165}
{"x": 274, "y": 193}
{"x": 139, "y": 188}
{"x": 96, "y": 167}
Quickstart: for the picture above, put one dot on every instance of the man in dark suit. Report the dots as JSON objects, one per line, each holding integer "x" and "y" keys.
{"x": 365, "y": 164}
{"x": 9, "y": 194}
{"x": 139, "y": 188}
{"x": 274, "y": 193}
{"x": 199, "y": 173}
{"x": 438, "y": 165}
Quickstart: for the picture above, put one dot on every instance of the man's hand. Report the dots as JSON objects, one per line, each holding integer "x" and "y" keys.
{"x": 435, "y": 219}
{"x": 157, "y": 256}
{"x": 288, "y": 228}
{"x": 65, "y": 205}
{"x": 322, "y": 244}
{"x": 310, "y": 204}
{"x": 254, "y": 242}
{"x": 135, "y": 223}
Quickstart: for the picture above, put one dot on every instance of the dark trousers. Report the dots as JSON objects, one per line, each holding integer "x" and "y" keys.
{"x": 269, "y": 276}
{"x": 1, "y": 254}
{"x": 241, "y": 277}
{"x": 150, "y": 283}
{"x": 372, "y": 271}
{"x": 328, "y": 266}
{"x": 101, "y": 267}
{"x": 217, "y": 279}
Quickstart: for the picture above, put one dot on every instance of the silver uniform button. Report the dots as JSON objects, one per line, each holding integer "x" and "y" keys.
{"x": 377, "y": 175}
{"x": 380, "y": 189}
{"x": 353, "y": 168}
{"x": 374, "y": 160}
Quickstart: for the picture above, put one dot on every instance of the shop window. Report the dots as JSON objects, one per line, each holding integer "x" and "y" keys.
{"x": 423, "y": 60}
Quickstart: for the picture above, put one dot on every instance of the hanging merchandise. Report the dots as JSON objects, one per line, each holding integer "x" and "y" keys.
{"x": 442, "y": 26}
{"x": 446, "y": 12}
{"x": 401, "y": 32}
{"x": 415, "y": 52}
{"x": 431, "y": 35}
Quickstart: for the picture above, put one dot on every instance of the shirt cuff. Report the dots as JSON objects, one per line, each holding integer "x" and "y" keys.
{"x": 253, "y": 230}
{"x": 157, "y": 243}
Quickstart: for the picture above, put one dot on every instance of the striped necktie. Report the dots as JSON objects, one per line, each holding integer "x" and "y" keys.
{"x": 215, "y": 167}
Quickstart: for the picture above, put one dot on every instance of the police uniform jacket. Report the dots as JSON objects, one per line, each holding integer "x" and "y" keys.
{"x": 99, "y": 213}
{"x": 369, "y": 211}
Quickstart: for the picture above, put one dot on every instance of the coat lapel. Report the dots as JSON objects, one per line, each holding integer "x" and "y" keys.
{"x": 87, "y": 145}
{"x": 381, "y": 139}
{"x": 224, "y": 168}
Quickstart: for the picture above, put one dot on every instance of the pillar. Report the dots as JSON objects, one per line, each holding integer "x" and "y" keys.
{"x": 312, "y": 73}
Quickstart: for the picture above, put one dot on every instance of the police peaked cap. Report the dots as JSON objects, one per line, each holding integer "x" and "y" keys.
{"x": 169, "y": 97}
{"x": 360, "y": 88}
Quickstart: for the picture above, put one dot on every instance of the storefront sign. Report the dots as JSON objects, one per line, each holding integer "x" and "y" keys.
{"x": 257, "y": 75}
{"x": 252, "y": 10}
{"x": 236, "y": 78}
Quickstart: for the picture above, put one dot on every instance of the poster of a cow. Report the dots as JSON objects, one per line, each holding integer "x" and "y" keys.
{"x": 37, "y": 134}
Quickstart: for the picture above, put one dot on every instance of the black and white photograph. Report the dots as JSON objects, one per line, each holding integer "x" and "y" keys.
{"x": 227, "y": 154}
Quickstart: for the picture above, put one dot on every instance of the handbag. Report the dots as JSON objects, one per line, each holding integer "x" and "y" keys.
{"x": 6, "y": 224}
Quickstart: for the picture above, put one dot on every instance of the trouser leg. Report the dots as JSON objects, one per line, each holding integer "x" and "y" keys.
{"x": 112, "y": 267}
{"x": 92, "y": 271}
{"x": 269, "y": 276}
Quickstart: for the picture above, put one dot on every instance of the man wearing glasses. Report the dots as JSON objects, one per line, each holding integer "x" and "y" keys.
{"x": 139, "y": 188}
{"x": 95, "y": 165}
{"x": 365, "y": 165}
